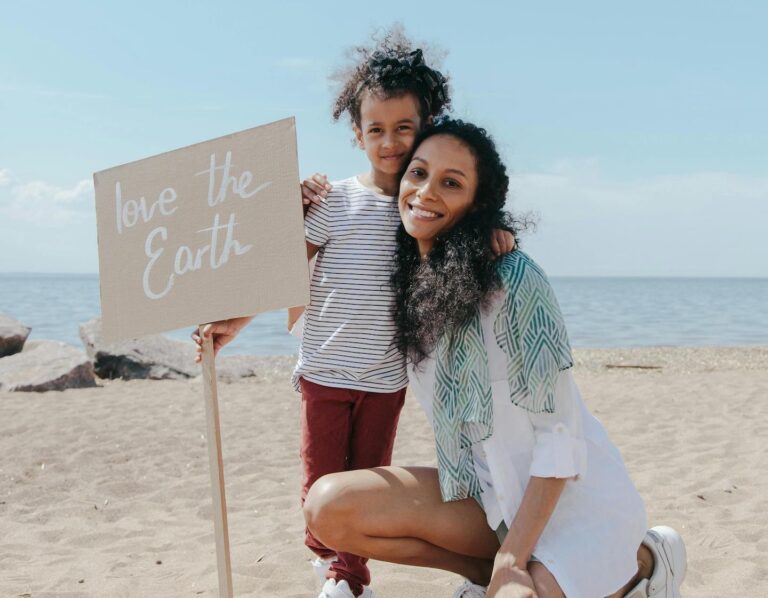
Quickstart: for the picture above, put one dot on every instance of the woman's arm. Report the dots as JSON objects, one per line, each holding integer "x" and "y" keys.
{"x": 539, "y": 501}
{"x": 511, "y": 563}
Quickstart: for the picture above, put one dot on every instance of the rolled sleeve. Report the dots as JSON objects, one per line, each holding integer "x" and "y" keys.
{"x": 560, "y": 450}
{"x": 559, "y": 454}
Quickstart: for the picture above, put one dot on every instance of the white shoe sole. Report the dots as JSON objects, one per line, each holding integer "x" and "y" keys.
{"x": 320, "y": 568}
{"x": 671, "y": 548}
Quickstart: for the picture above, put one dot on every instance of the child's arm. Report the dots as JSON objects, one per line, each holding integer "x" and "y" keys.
{"x": 294, "y": 313}
{"x": 314, "y": 190}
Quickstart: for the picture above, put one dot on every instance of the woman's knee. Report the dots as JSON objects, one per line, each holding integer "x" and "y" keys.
{"x": 329, "y": 510}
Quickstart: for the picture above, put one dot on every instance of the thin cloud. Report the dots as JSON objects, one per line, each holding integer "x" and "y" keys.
{"x": 47, "y": 205}
{"x": 569, "y": 185}
{"x": 695, "y": 224}
{"x": 5, "y": 177}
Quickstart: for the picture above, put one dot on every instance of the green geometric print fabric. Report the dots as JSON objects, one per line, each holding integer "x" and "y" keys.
{"x": 531, "y": 332}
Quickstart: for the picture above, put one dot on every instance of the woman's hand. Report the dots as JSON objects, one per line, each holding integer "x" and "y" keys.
{"x": 315, "y": 189}
{"x": 502, "y": 241}
{"x": 223, "y": 332}
{"x": 508, "y": 580}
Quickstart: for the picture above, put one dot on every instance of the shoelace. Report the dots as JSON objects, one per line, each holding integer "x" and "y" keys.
{"x": 470, "y": 590}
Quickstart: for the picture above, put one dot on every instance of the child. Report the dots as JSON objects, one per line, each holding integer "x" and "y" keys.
{"x": 350, "y": 373}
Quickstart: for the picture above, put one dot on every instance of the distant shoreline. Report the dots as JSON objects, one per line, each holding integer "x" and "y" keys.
{"x": 554, "y": 276}
{"x": 599, "y": 312}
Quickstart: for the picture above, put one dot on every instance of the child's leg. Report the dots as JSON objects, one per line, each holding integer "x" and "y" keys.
{"x": 326, "y": 422}
{"x": 373, "y": 426}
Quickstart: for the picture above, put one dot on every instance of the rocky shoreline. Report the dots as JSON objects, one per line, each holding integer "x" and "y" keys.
{"x": 51, "y": 365}
{"x": 42, "y": 365}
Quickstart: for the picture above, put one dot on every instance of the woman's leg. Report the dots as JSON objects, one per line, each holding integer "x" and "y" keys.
{"x": 396, "y": 514}
{"x": 545, "y": 583}
{"x": 645, "y": 564}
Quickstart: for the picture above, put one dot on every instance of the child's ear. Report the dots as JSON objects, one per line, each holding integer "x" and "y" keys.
{"x": 429, "y": 121}
{"x": 358, "y": 136}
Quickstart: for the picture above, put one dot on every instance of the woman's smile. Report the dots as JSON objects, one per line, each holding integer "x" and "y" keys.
{"x": 420, "y": 213}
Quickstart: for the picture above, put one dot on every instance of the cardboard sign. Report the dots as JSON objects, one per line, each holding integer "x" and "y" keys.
{"x": 203, "y": 233}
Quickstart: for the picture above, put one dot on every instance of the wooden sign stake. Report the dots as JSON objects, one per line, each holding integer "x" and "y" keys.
{"x": 216, "y": 463}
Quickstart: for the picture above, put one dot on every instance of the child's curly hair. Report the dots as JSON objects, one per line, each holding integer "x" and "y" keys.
{"x": 390, "y": 68}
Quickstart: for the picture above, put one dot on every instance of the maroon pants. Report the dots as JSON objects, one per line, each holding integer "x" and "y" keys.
{"x": 343, "y": 429}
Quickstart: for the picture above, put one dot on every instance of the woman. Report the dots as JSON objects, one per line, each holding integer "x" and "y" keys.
{"x": 530, "y": 498}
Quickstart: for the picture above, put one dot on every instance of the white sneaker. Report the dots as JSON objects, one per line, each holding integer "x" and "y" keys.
{"x": 670, "y": 565}
{"x": 469, "y": 590}
{"x": 320, "y": 567}
{"x": 331, "y": 589}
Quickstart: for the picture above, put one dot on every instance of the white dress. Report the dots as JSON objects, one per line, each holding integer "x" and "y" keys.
{"x": 590, "y": 542}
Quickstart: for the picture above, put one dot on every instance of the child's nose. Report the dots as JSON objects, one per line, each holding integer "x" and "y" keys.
{"x": 389, "y": 140}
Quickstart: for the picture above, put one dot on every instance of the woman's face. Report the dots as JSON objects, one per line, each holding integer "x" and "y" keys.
{"x": 437, "y": 189}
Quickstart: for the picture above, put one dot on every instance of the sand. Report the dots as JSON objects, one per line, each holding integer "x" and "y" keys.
{"x": 105, "y": 491}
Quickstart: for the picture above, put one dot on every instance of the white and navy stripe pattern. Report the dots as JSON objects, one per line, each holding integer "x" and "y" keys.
{"x": 349, "y": 332}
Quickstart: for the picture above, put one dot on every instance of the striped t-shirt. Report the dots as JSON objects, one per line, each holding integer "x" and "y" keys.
{"x": 349, "y": 332}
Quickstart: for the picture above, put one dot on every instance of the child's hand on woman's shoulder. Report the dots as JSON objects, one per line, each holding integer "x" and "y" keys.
{"x": 315, "y": 189}
{"x": 223, "y": 333}
{"x": 502, "y": 241}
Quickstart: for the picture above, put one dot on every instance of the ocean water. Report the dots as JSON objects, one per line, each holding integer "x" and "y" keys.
{"x": 599, "y": 312}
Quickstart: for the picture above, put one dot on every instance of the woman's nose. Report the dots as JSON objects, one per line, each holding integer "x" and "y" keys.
{"x": 426, "y": 191}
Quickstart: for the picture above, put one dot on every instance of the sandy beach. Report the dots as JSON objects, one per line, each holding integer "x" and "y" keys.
{"x": 105, "y": 491}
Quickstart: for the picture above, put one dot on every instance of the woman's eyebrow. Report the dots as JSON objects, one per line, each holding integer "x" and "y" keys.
{"x": 454, "y": 170}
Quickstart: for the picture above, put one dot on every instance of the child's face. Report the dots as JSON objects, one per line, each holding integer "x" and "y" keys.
{"x": 438, "y": 188}
{"x": 387, "y": 130}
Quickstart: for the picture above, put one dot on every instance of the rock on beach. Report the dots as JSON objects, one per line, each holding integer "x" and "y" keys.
{"x": 13, "y": 335}
{"x": 158, "y": 357}
{"x": 154, "y": 357}
{"x": 46, "y": 365}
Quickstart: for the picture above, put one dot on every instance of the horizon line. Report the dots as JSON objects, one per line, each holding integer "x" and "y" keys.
{"x": 634, "y": 276}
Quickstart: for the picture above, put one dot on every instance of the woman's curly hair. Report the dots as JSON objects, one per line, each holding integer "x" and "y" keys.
{"x": 441, "y": 292}
{"x": 390, "y": 68}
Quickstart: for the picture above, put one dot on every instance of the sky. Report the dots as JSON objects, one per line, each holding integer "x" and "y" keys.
{"x": 636, "y": 133}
